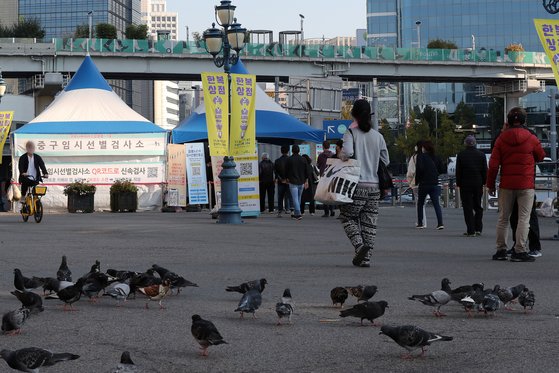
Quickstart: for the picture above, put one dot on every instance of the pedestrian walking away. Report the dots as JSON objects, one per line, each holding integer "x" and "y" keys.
{"x": 514, "y": 156}
{"x": 308, "y": 194}
{"x": 267, "y": 184}
{"x": 284, "y": 195}
{"x": 471, "y": 175}
{"x": 321, "y": 164}
{"x": 298, "y": 179}
{"x": 410, "y": 176}
{"x": 428, "y": 168}
{"x": 359, "y": 218}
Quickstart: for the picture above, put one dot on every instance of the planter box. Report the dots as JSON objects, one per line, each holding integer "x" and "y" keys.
{"x": 83, "y": 203}
{"x": 126, "y": 201}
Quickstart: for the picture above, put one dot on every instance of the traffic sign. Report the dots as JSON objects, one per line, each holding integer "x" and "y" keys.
{"x": 335, "y": 129}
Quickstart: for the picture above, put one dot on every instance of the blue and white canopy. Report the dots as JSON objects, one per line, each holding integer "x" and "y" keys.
{"x": 88, "y": 105}
{"x": 273, "y": 124}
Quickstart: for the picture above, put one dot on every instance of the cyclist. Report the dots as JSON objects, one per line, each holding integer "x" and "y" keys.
{"x": 31, "y": 168}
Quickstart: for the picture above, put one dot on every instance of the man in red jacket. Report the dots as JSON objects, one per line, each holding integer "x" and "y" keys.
{"x": 515, "y": 154}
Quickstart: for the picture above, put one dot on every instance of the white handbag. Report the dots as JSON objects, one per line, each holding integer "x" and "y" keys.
{"x": 338, "y": 183}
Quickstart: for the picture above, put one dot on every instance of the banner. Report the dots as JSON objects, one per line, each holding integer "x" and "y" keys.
{"x": 243, "y": 114}
{"x": 93, "y": 144}
{"x": 176, "y": 175}
{"x": 6, "y": 118}
{"x": 216, "y": 92}
{"x": 196, "y": 174}
{"x": 548, "y": 31}
{"x": 106, "y": 173}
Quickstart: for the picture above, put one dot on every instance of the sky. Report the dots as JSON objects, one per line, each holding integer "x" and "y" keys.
{"x": 328, "y": 18}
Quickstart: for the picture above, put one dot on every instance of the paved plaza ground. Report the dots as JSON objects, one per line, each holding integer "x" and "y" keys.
{"x": 310, "y": 257}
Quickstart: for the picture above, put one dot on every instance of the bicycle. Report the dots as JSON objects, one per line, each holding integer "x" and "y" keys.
{"x": 32, "y": 204}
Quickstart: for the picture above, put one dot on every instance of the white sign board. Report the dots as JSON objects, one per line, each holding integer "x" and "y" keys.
{"x": 196, "y": 174}
{"x": 106, "y": 173}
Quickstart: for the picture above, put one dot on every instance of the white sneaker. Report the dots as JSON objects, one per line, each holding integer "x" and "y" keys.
{"x": 417, "y": 226}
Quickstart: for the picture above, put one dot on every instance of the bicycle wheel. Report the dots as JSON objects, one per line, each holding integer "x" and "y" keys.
{"x": 25, "y": 212}
{"x": 38, "y": 211}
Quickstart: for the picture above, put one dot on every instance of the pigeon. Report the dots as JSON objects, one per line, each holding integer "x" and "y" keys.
{"x": 119, "y": 291}
{"x": 93, "y": 285}
{"x": 362, "y": 292}
{"x": 250, "y": 302}
{"x": 366, "y": 310}
{"x": 412, "y": 337}
{"x": 64, "y": 273}
{"x": 246, "y": 286}
{"x": 509, "y": 295}
{"x": 436, "y": 299}
{"x": 24, "y": 283}
{"x": 71, "y": 294}
{"x": 177, "y": 282}
{"x": 527, "y": 299}
{"x": 460, "y": 292}
{"x": 126, "y": 365}
{"x": 205, "y": 333}
{"x": 142, "y": 280}
{"x": 338, "y": 296}
{"x": 156, "y": 293}
{"x": 12, "y": 321}
{"x": 33, "y": 302}
{"x": 95, "y": 268}
{"x": 491, "y": 303}
{"x": 473, "y": 300}
{"x": 32, "y": 358}
{"x": 285, "y": 307}
{"x": 121, "y": 275}
{"x": 50, "y": 285}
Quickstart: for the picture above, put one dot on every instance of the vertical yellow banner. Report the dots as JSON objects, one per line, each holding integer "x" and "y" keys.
{"x": 548, "y": 31}
{"x": 216, "y": 88}
{"x": 243, "y": 114}
{"x": 6, "y": 118}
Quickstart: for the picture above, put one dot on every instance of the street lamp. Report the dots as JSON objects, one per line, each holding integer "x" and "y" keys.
{"x": 3, "y": 87}
{"x": 220, "y": 43}
{"x": 418, "y": 26}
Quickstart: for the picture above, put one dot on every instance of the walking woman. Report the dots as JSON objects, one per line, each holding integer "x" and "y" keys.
{"x": 427, "y": 171}
{"x": 359, "y": 218}
{"x": 410, "y": 175}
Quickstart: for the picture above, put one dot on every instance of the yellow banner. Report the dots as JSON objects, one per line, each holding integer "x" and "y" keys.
{"x": 216, "y": 88}
{"x": 6, "y": 118}
{"x": 548, "y": 31}
{"x": 243, "y": 114}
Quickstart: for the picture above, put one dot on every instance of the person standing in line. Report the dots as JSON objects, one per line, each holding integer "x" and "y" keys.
{"x": 471, "y": 175}
{"x": 298, "y": 179}
{"x": 410, "y": 176}
{"x": 284, "y": 195}
{"x": 267, "y": 185}
{"x": 321, "y": 164}
{"x": 308, "y": 194}
{"x": 514, "y": 155}
{"x": 359, "y": 218}
{"x": 428, "y": 169}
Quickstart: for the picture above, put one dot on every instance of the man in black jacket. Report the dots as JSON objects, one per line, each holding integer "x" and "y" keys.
{"x": 280, "y": 168}
{"x": 298, "y": 178}
{"x": 31, "y": 168}
{"x": 471, "y": 174}
{"x": 267, "y": 185}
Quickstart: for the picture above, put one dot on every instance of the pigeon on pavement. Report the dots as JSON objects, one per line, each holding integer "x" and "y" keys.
{"x": 64, "y": 273}
{"x": 285, "y": 307}
{"x": 156, "y": 293}
{"x": 436, "y": 299}
{"x": 71, "y": 294}
{"x": 50, "y": 285}
{"x": 527, "y": 299}
{"x": 25, "y": 283}
{"x": 473, "y": 300}
{"x": 491, "y": 302}
{"x": 93, "y": 285}
{"x": 249, "y": 303}
{"x": 246, "y": 286}
{"x": 119, "y": 291}
{"x": 509, "y": 295}
{"x": 31, "y": 359}
{"x": 366, "y": 310}
{"x": 205, "y": 333}
{"x": 33, "y": 302}
{"x": 412, "y": 337}
{"x": 177, "y": 282}
{"x": 13, "y": 321}
{"x": 126, "y": 365}
{"x": 142, "y": 280}
{"x": 362, "y": 292}
{"x": 339, "y": 296}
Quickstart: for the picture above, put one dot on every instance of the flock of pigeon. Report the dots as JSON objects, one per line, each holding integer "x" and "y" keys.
{"x": 157, "y": 283}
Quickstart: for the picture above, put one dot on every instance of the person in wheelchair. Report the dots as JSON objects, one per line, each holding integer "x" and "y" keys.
{"x": 31, "y": 168}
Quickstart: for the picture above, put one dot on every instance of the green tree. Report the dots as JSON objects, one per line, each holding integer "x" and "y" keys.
{"x": 418, "y": 130}
{"x": 105, "y": 31}
{"x": 138, "y": 32}
{"x": 448, "y": 141}
{"x": 441, "y": 44}
{"x": 396, "y": 154}
{"x": 25, "y": 28}
{"x": 82, "y": 31}
{"x": 464, "y": 116}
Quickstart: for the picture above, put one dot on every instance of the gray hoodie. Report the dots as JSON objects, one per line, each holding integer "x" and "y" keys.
{"x": 368, "y": 148}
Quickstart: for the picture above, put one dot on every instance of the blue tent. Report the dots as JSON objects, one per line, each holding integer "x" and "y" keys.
{"x": 273, "y": 124}
{"x": 88, "y": 105}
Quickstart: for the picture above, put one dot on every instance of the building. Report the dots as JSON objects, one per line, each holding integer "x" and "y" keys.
{"x": 156, "y": 16}
{"x": 339, "y": 41}
{"x": 478, "y": 25}
{"x": 8, "y": 12}
{"x": 166, "y": 104}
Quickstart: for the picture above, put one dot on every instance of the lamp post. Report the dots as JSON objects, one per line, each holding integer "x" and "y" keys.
{"x": 418, "y": 27}
{"x": 220, "y": 42}
{"x": 3, "y": 87}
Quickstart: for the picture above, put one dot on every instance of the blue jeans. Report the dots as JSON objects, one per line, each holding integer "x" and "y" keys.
{"x": 296, "y": 193}
{"x": 434, "y": 191}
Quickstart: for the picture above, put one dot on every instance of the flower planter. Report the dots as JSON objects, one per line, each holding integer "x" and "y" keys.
{"x": 124, "y": 201}
{"x": 81, "y": 202}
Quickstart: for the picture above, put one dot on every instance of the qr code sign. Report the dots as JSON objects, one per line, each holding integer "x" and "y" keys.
{"x": 153, "y": 172}
{"x": 246, "y": 168}
{"x": 196, "y": 171}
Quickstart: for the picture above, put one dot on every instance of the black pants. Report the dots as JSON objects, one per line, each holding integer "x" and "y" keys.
{"x": 329, "y": 210}
{"x": 284, "y": 197}
{"x": 267, "y": 188}
{"x": 471, "y": 205}
{"x": 308, "y": 196}
{"x": 26, "y": 183}
{"x": 534, "y": 231}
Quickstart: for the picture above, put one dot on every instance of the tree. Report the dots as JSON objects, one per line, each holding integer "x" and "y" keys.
{"x": 464, "y": 116}
{"x": 25, "y": 28}
{"x": 105, "y": 31}
{"x": 418, "y": 130}
{"x": 448, "y": 141}
{"x": 82, "y": 31}
{"x": 138, "y": 32}
{"x": 396, "y": 155}
{"x": 441, "y": 44}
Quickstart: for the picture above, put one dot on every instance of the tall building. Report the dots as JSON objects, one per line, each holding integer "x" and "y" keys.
{"x": 156, "y": 16}
{"x": 8, "y": 12}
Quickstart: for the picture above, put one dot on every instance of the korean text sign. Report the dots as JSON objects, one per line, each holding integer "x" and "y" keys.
{"x": 548, "y": 31}
{"x": 6, "y": 118}
{"x": 216, "y": 93}
{"x": 176, "y": 174}
{"x": 196, "y": 172}
{"x": 243, "y": 114}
